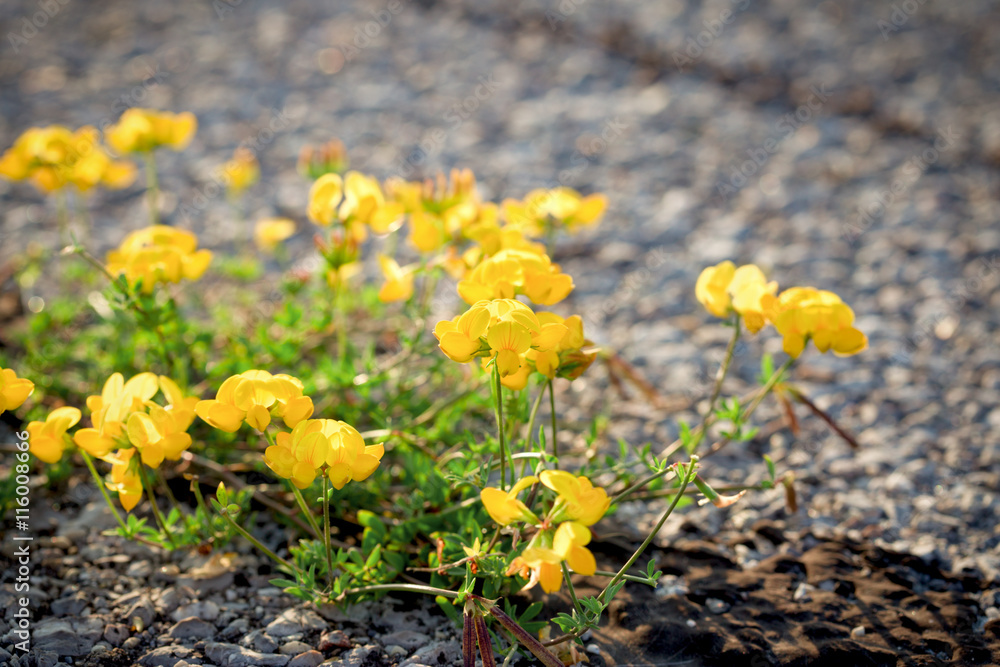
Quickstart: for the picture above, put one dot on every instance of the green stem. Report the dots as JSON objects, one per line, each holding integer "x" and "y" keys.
{"x": 720, "y": 376}
{"x": 689, "y": 473}
{"x": 626, "y": 577}
{"x": 254, "y": 541}
{"x": 326, "y": 531}
{"x": 531, "y": 418}
{"x": 103, "y": 490}
{"x": 572, "y": 591}
{"x": 409, "y": 588}
{"x": 555, "y": 428}
{"x": 305, "y": 510}
{"x": 152, "y": 502}
{"x": 62, "y": 213}
{"x": 498, "y": 403}
{"x": 152, "y": 189}
{"x": 764, "y": 391}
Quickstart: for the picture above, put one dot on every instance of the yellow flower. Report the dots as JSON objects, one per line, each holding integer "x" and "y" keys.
{"x": 241, "y": 172}
{"x": 355, "y": 201}
{"x": 254, "y": 397}
{"x": 109, "y": 411}
{"x": 579, "y": 500}
{"x": 269, "y": 232}
{"x": 460, "y": 338}
{"x": 14, "y": 391}
{"x": 566, "y": 358}
{"x": 47, "y": 439}
{"x": 144, "y": 130}
{"x": 543, "y": 558}
{"x": 558, "y": 207}
{"x": 325, "y": 196}
{"x": 508, "y": 341}
{"x": 747, "y": 289}
{"x": 52, "y": 157}
{"x": 158, "y": 254}
{"x": 124, "y": 480}
{"x": 712, "y": 288}
{"x": 513, "y": 271}
{"x": 323, "y": 446}
{"x": 156, "y": 435}
{"x": 504, "y": 507}
{"x": 398, "y": 284}
{"x": 801, "y": 314}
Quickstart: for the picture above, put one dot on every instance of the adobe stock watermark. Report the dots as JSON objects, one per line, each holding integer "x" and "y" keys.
{"x": 927, "y": 327}
{"x": 785, "y": 128}
{"x": 912, "y": 170}
{"x": 630, "y": 284}
{"x": 30, "y": 26}
{"x": 456, "y": 116}
{"x": 562, "y": 12}
{"x": 900, "y": 16}
{"x": 695, "y": 47}
{"x": 280, "y": 120}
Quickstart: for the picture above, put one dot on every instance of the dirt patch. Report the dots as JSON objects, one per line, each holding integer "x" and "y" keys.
{"x": 803, "y": 607}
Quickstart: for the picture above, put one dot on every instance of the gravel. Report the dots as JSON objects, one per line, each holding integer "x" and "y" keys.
{"x": 869, "y": 144}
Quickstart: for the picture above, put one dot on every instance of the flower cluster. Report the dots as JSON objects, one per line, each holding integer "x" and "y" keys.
{"x": 14, "y": 391}
{"x": 255, "y": 397}
{"x": 543, "y": 211}
{"x": 53, "y": 157}
{"x": 509, "y": 334}
{"x": 270, "y": 232}
{"x": 158, "y": 254}
{"x": 124, "y": 421}
{"x": 514, "y": 271}
{"x": 145, "y": 130}
{"x": 323, "y": 447}
{"x": 799, "y": 314}
{"x": 577, "y": 506}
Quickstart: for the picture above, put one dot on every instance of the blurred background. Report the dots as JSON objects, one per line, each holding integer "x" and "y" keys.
{"x": 852, "y": 145}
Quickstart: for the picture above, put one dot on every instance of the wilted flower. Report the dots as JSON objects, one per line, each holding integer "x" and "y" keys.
{"x": 801, "y": 314}
{"x": 328, "y": 158}
{"x": 14, "y": 391}
{"x": 270, "y": 232}
{"x": 48, "y": 439}
{"x": 254, "y": 397}
{"x": 323, "y": 446}
{"x": 144, "y": 130}
{"x": 158, "y": 254}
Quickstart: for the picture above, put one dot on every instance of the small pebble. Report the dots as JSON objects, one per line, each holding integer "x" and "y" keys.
{"x": 858, "y": 632}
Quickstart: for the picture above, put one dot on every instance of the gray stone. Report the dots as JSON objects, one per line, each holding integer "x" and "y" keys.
{"x": 116, "y": 633}
{"x": 231, "y": 655}
{"x": 168, "y": 656}
{"x": 294, "y": 621}
{"x": 294, "y": 648}
{"x": 69, "y": 606}
{"x": 192, "y": 628}
{"x": 307, "y": 659}
{"x": 67, "y": 637}
{"x": 357, "y": 656}
{"x": 203, "y": 609}
{"x": 260, "y": 641}
{"x": 408, "y": 639}
{"x": 436, "y": 653}
{"x": 237, "y": 628}
{"x": 141, "y": 614}
{"x": 717, "y": 606}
